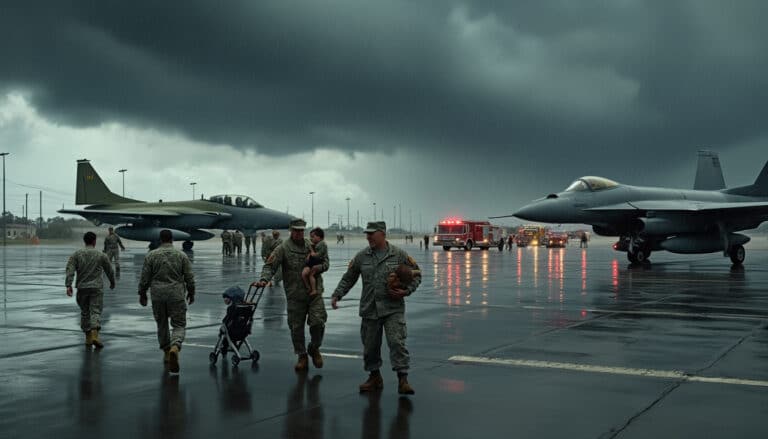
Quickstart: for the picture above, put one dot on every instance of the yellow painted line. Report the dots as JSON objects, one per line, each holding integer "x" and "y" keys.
{"x": 649, "y": 373}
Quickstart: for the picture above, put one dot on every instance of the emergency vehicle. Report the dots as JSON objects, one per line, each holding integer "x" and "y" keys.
{"x": 467, "y": 234}
{"x": 531, "y": 235}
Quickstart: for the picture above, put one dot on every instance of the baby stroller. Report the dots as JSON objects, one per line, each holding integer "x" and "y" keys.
{"x": 236, "y": 326}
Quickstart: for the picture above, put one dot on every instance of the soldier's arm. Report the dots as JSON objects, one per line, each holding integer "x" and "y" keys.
{"x": 322, "y": 252}
{"x": 272, "y": 264}
{"x": 146, "y": 275}
{"x": 71, "y": 268}
{"x": 189, "y": 277}
{"x": 348, "y": 280}
{"x": 411, "y": 263}
{"x": 120, "y": 243}
{"x": 107, "y": 266}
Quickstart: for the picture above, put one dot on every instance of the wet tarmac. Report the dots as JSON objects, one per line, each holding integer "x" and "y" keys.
{"x": 528, "y": 343}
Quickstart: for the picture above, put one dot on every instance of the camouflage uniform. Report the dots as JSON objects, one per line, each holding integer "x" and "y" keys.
{"x": 237, "y": 240}
{"x": 248, "y": 244}
{"x": 89, "y": 264}
{"x": 266, "y": 247}
{"x": 112, "y": 246}
{"x": 274, "y": 243}
{"x": 167, "y": 273}
{"x": 377, "y": 309}
{"x": 290, "y": 258}
{"x": 226, "y": 242}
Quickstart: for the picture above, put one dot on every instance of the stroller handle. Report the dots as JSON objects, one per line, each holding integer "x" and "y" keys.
{"x": 254, "y": 293}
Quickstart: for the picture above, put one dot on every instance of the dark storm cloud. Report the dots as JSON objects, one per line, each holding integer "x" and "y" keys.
{"x": 591, "y": 77}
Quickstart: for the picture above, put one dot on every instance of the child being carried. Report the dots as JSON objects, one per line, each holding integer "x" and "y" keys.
{"x": 317, "y": 254}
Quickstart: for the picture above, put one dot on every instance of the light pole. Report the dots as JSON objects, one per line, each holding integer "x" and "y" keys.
{"x": 193, "y": 189}
{"x": 348, "y": 226}
{"x": 122, "y": 171}
{"x": 5, "y": 233}
{"x": 374, "y": 211}
{"x": 394, "y": 216}
{"x": 312, "y": 194}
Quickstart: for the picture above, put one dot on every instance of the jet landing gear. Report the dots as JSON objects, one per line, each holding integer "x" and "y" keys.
{"x": 639, "y": 253}
{"x": 187, "y": 246}
{"x": 737, "y": 254}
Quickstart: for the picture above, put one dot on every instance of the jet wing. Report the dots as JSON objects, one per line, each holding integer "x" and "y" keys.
{"x": 683, "y": 206}
{"x": 116, "y": 216}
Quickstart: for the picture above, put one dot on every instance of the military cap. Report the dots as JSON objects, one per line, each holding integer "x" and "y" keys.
{"x": 376, "y": 226}
{"x": 297, "y": 224}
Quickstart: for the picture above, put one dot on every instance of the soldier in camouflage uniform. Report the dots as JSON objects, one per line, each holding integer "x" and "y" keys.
{"x": 226, "y": 242}
{"x": 237, "y": 241}
{"x": 167, "y": 272}
{"x": 381, "y": 308}
{"x": 290, "y": 258}
{"x": 248, "y": 243}
{"x": 273, "y": 242}
{"x": 89, "y": 264}
{"x": 112, "y": 247}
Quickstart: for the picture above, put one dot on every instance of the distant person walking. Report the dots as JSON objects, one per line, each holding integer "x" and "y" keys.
{"x": 267, "y": 248}
{"x": 426, "y": 242}
{"x": 584, "y": 242}
{"x": 88, "y": 264}
{"x": 167, "y": 273}
{"x": 237, "y": 241}
{"x": 389, "y": 276}
{"x": 112, "y": 247}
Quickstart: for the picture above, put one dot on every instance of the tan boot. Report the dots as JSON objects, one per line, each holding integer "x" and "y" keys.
{"x": 302, "y": 365}
{"x": 317, "y": 359}
{"x": 374, "y": 382}
{"x": 166, "y": 356}
{"x": 95, "y": 339}
{"x": 89, "y": 338}
{"x": 403, "y": 387}
{"x": 173, "y": 359}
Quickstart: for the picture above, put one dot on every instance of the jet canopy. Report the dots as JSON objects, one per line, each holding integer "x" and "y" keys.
{"x": 591, "y": 184}
{"x": 235, "y": 201}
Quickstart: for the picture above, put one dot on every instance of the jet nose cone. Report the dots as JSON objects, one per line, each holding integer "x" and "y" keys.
{"x": 527, "y": 212}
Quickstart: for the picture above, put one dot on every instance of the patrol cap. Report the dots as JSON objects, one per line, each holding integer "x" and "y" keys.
{"x": 376, "y": 226}
{"x": 297, "y": 224}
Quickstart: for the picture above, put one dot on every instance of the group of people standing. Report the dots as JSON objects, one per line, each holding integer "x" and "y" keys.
{"x": 299, "y": 262}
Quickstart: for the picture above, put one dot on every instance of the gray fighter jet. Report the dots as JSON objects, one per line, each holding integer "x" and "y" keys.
{"x": 143, "y": 221}
{"x": 647, "y": 219}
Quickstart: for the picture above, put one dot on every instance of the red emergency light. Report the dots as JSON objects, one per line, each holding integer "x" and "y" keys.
{"x": 449, "y": 221}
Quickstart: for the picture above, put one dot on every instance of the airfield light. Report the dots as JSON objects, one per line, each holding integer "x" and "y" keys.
{"x": 122, "y": 171}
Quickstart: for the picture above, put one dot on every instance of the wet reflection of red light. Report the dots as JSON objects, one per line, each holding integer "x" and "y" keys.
{"x": 519, "y": 265}
{"x": 583, "y": 312}
{"x": 615, "y": 274}
{"x": 583, "y": 271}
{"x": 452, "y": 386}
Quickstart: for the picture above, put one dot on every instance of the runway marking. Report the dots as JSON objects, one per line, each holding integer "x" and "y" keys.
{"x": 651, "y": 373}
{"x": 663, "y": 313}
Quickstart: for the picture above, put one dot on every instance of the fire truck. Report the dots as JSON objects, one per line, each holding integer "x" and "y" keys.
{"x": 531, "y": 234}
{"x": 468, "y": 234}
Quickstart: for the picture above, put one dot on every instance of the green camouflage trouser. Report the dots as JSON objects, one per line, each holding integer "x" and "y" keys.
{"x": 114, "y": 254}
{"x": 394, "y": 327}
{"x": 91, "y": 302}
{"x": 311, "y": 311}
{"x": 176, "y": 310}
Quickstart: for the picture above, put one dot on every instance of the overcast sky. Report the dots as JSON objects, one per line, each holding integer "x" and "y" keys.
{"x": 445, "y": 108}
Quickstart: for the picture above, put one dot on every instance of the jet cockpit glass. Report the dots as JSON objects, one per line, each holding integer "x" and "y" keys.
{"x": 235, "y": 201}
{"x": 591, "y": 184}
{"x": 577, "y": 186}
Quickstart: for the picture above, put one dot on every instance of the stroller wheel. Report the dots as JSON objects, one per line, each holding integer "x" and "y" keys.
{"x": 213, "y": 357}
{"x": 255, "y": 355}
{"x": 235, "y": 360}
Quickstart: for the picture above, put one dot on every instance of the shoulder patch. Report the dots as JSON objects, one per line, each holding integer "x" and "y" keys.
{"x": 412, "y": 261}
{"x": 351, "y": 262}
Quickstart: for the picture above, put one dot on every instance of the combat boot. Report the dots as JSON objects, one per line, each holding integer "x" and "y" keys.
{"x": 374, "y": 382}
{"x": 403, "y": 387}
{"x": 166, "y": 355}
{"x": 173, "y": 359}
{"x": 302, "y": 365}
{"x": 317, "y": 359}
{"x": 95, "y": 339}
{"x": 88, "y": 338}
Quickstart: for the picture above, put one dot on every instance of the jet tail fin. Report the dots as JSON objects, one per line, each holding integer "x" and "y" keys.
{"x": 758, "y": 189}
{"x": 709, "y": 175}
{"x": 92, "y": 190}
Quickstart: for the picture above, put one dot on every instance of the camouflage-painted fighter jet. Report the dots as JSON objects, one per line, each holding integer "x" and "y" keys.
{"x": 646, "y": 219}
{"x": 143, "y": 221}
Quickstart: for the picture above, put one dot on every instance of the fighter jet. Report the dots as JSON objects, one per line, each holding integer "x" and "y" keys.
{"x": 143, "y": 221}
{"x": 647, "y": 219}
